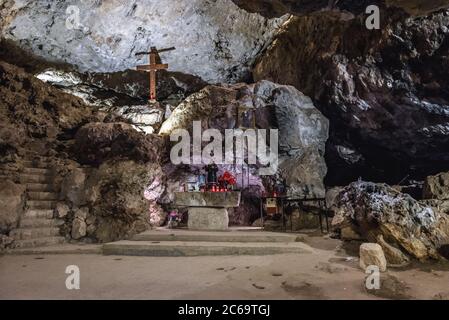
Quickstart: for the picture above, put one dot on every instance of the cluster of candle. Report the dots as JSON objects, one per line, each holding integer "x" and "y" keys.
{"x": 272, "y": 194}
{"x": 215, "y": 188}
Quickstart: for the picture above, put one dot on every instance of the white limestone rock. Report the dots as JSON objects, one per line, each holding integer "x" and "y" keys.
{"x": 215, "y": 40}
{"x": 371, "y": 254}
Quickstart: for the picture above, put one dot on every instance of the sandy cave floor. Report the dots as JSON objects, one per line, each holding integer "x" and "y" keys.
{"x": 331, "y": 272}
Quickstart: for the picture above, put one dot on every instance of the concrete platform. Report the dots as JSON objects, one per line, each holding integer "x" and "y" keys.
{"x": 232, "y": 235}
{"x": 197, "y": 248}
{"x": 59, "y": 249}
{"x": 179, "y": 243}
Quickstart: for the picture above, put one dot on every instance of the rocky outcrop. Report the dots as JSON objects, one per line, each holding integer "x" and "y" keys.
{"x": 136, "y": 84}
{"x": 404, "y": 223}
{"x": 215, "y": 40}
{"x": 12, "y": 205}
{"x": 382, "y": 90}
{"x": 119, "y": 199}
{"x": 394, "y": 256}
{"x": 112, "y": 92}
{"x": 33, "y": 114}
{"x": 249, "y": 209}
{"x": 96, "y": 204}
{"x": 72, "y": 189}
{"x": 437, "y": 187}
{"x": 97, "y": 142}
{"x": 303, "y": 130}
{"x": 277, "y": 8}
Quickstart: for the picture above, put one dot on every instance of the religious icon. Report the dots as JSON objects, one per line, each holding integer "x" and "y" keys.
{"x": 246, "y": 118}
{"x": 272, "y": 207}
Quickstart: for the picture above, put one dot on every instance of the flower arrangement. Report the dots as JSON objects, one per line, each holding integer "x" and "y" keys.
{"x": 174, "y": 218}
{"x": 227, "y": 180}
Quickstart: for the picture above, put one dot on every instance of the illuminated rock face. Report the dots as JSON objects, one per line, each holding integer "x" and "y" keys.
{"x": 214, "y": 39}
{"x": 303, "y": 130}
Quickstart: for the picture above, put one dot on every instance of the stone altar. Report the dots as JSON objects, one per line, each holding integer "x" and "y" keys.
{"x": 208, "y": 210}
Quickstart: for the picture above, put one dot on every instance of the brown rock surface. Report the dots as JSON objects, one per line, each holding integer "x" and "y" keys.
{"x": 98, "y": 142}
{"x": 437, "y": 187}
{"x": 12, "y": 202}
{"x": 377, "y": 209}
{"x": 117, "y": 198}
{"x": 34, "y": 114}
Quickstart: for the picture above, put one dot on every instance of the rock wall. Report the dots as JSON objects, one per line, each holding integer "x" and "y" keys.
{"x": 98, "y": 142}
{"x": 274, "y": 8}
{"x": 109, "y": 203}
{"x": 383, "y": 90}
{"x": 12, "y": 205}
{"x": 102, "y": 171}
{"x": 33, "y": 114}
{"x": 215, "y": 40}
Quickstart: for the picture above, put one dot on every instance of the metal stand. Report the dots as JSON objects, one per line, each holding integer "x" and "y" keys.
{"x": 285, "y": 200}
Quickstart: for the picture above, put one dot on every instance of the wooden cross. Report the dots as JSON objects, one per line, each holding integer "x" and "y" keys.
{"x": 152, "y": 68}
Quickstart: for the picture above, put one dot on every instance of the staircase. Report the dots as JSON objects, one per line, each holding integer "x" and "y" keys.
{"x": 37, "y": 226}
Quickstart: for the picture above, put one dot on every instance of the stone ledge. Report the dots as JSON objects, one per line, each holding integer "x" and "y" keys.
{"x": 208, "y": 199}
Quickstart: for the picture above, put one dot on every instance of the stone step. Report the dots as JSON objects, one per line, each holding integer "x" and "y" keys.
{"x": 34, "y": 233}
{"x": 39, "y": 187}
{"x": 58, "y": 249}
{"x": 39, "y": 195}
{"x": 5, "y": 172}
{"x": 39, "y": 242}
{"x": 39, "y": 213}
{"x": 34, "y": 178}
{"x": 35, "y": 164}
{"x": 41, "y": 204}
{"x": 33, "y": 170}
{"x": 182, "y": 249}
{"x": 39, "y": 223}
{"x": 211, "y": 236}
